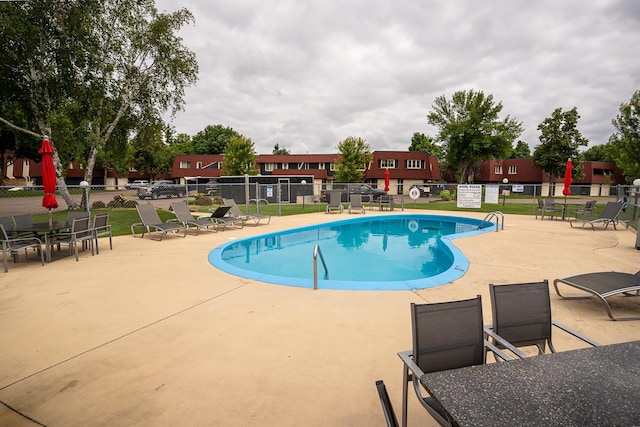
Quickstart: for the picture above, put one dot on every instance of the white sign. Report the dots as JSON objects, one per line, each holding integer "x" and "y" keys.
{"x": 491, "y": 194}
{"x": 470, "y": 196}
{"x": 269, "y": 190}
{"x": 518, "y": 188}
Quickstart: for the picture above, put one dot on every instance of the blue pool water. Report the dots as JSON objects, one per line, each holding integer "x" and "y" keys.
{"x": 385, "y": 252}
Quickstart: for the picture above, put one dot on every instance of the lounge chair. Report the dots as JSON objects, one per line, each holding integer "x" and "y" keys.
{"x": 236, "y": 212}
{"x": 152, "y": 224}
{"x": 355, "y": 203}
{"x": 522, "y": 316}
{"x": 335, "y": 202}
{"x": 15, "y": 245}
{"x": 603, "y": 285}
{"x": 387, "y": 407}
{"x": 219, "y": 215}
{"x": 184, "y": 217}
{"x": 609, "y": 215}
{"x": 446, "y": 335}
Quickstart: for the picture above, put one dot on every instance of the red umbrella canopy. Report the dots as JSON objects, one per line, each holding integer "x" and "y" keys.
{"x": 387, "y": 179}
{"x": 567, "y": 178}
{"x": 48, "y": 175}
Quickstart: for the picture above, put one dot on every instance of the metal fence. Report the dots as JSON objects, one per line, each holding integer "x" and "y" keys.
{"x": 22, "y": 200}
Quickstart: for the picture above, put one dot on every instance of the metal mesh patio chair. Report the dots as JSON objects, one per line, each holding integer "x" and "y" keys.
{"x": 101, "y": 228}
{"x": 387, "y": 407}
{"x": 355, "y": 203}
{"x": 236, "y": 212}
{"x": 609, "y": 215}
{"x": 80, "y": 233}
{"x": 522, "y": 316}
{"x": 15, "y": 245}
{"x": 446, "y": 335}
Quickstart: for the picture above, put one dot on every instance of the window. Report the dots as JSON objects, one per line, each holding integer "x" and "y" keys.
{"x": 303, "y": 165}
{"x": 185, "y": 165}
{"x": 332, "y": 166}
{"x": 513, "y": 169}
{"x": 285, "y": 166}
{"x": 198, "y": 165}
{"x": 132, "y": 169}
{"x": 498, "y": 170}
{"x": 321, "y": 165}
{"x": 387, "y": 163}
{"x": 415, "y": 164}
{"x": 268, "y": 167}
{"x": 400, "y": 186}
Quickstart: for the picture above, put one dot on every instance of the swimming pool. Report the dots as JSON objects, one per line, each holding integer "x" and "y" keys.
{"x": 376, "y": 252}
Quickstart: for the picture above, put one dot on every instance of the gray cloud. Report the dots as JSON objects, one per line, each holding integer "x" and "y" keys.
{"x": 306, "y": 75}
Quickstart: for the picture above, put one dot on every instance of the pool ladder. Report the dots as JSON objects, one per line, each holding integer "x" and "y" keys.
{"x": 499, "y": 216}
{"x": 316, "y": 252}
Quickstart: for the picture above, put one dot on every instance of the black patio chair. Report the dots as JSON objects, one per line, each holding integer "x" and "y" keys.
{"x": 447, "y": 335}
{"x": 387, "y": 407}
{"x": 522, "y": 316}
{"x": 15, "y": 245}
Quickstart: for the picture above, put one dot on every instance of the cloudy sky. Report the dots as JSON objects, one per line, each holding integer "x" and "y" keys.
{"x": 307, "y": 74}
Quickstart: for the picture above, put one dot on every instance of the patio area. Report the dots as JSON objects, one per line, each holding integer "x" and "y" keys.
{"x": 150, "y": 334}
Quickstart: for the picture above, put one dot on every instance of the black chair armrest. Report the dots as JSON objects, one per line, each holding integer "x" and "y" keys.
{"x": 575, "y": 333}
{"x": 488, "y": 330}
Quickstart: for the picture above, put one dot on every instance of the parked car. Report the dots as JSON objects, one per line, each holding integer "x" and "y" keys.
{"x": 161, "y": 188}
{"x": 136, "y": 184}
{"x": 212, "y": 188}
{"x": 367, "y": 192}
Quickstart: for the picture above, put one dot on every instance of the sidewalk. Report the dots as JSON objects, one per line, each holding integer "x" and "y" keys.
{"x": 150, "y": 334}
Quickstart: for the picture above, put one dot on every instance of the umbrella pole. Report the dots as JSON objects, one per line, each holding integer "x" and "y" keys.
{"x": 50, "y": 219}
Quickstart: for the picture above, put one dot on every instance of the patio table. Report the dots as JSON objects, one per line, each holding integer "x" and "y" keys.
{"x": 46, "y": 229}
{"x": 592, "y": 386}
{"x": 567, "y": 205}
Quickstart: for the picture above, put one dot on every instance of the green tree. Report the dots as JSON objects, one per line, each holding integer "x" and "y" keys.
{"x": 598, "y": 153}
{"x": 76, "y": 68}
{"x": 150, "y": 154}
{"x": 213, "y": 139}
{"x": 470, "y": 130}
{"x": 625, "y": 142}
{"x": 521, "y": 151}
{"x": 560, "y": 140}
{"x": 280, "y": 151}
{"x": 426, "y": 144}
{"x": 355, "y": 154}
{"x": 239, "y": 157}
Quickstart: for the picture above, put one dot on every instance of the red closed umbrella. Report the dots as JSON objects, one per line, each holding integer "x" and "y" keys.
{"x": 48, "y": 177}
{"x": 567, "y": 178}
{"x": 387, "y": 179}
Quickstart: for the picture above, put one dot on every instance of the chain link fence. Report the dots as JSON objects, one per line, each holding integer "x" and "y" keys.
{"x": 120, "y": 204}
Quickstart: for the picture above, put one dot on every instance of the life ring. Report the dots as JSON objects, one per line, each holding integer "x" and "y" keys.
{"x": 414, "y": 193}
{"x": 413, "y": 225}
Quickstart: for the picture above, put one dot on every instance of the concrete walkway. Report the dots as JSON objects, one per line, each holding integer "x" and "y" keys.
{"x": 150, "y": 334}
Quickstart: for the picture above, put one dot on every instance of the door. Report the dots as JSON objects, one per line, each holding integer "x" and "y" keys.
{"x": 285, "y": 190}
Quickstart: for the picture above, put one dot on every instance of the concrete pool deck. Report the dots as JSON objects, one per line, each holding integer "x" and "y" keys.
{"x": 150, "y": 334}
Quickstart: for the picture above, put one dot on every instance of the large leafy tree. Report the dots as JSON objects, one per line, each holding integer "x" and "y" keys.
{"x": 355, "y": 154}
{"x": 471, "y": 131}
{"x": 560, "y": 140}
{"x": 239, "y": 157}
{"x": 426, "y": 144}
{"x": 76, "y": 68}
{"x": 598, "y": 153}
{"x": 280, "y": 151}
{"x": 213, "y": 139}
{"x": 625, "y": 142}
{"x": 521, "y": 151}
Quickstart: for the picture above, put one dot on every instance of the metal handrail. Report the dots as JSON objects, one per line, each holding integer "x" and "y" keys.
{"x": 316, "y": 252}
{"x": 498, "y": 215}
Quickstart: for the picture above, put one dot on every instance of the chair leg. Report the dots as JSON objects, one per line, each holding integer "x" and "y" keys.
{"x": 405, "y": 390}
